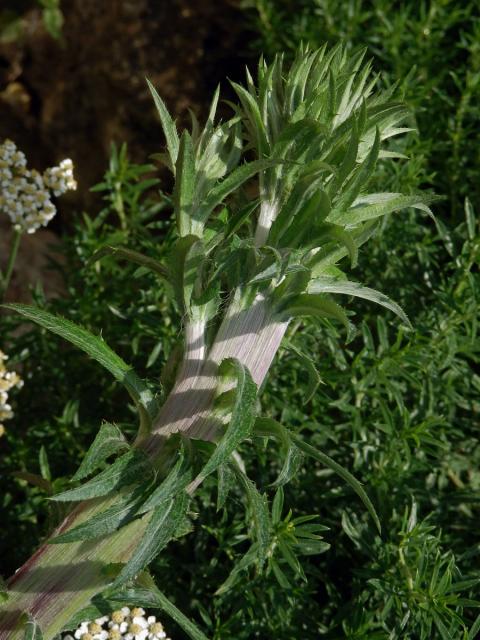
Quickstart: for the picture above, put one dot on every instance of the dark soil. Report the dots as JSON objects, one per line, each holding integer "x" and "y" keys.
{"x": 72, "y": 98}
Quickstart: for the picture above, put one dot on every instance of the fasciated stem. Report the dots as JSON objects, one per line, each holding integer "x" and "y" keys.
{"x": 61, "y": 579}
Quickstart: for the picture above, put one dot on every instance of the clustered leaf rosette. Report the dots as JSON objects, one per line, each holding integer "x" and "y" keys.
{"x": 123, "y": 624}
{"x": 25, "y": 195}
{"x": 8, "y": 380}
{"x": 313, "y": 134}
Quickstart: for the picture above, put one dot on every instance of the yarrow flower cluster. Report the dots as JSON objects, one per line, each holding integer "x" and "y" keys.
{"x": 124, "y": 624}
{"x": 25, "y": 195}
{"x": 8, "y": 380}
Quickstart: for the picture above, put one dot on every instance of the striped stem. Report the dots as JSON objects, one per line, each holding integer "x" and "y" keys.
{"x": 59, "y": 580}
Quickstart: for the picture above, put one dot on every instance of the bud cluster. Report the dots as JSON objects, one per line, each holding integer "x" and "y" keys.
{"x": 124, "y": 624}
{"x": 25, "y": 195}
{"x": 8, "y": 380}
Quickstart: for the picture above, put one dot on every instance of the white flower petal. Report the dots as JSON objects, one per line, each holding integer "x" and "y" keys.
{"x": 140, "y": 620}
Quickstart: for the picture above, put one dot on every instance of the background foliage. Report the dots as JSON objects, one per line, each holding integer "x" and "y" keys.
{"x": 398, "y": 408}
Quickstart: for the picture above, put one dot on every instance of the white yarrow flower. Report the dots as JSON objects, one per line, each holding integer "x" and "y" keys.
{"x": 25, "y": 195}
{"x": 123, "y": 624}
{"x": 121, "y": 627}
{"x": 8, "y": 380}
{"x": 82, "y": 630}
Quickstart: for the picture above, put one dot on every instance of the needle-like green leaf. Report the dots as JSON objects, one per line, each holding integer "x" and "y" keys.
{"x": 132, "y": 256}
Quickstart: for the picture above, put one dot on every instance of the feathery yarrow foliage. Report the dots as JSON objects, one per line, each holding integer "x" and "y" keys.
{"x": 26, "y": 195}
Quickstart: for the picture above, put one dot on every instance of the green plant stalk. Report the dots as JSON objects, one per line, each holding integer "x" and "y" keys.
{"x": 11, "y": 263}
{"x": 59, "y": 580}
{"x": 119, "y": 206}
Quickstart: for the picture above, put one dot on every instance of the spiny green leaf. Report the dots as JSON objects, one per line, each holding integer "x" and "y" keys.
{"x": 260, "y": 515}
{"x": 358, "y": 180}
{"x": 252, "y": 112}
{"x": 194, "y": 258}
{"x": 108, "y": 441}
{"x": 231, "y": 183}
{"x": 348, "y": 162}
{"x": 267, "y": 427}
{"x": 124, "y": 471}
{"x": 226, "y": 479}
{"x": 322, "y": 262}
{"x": 291, "y": 465}
{"x": 306, "y": 190}
{"x": 97, "y": 349}
{"x": 377, "y": 205}
{"x": 314, "y": 210}
{"x": 168, "y": 125}
{"x": 346, "y": 287}
{"x": 184, "y": 247}
{"x": 162, "y": 525}
{"x": 305, "y": 304}
{"x": 106, "y": 522}
{"x": 241, "y": 420}
{"x": 184, "y": 191}
{"x": 338, "y": 234}
{"x": 176, "y": 481}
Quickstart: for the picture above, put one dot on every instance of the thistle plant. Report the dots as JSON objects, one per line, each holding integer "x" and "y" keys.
{"x": 26, "y": 197}
{"x": 271, "y": 209}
